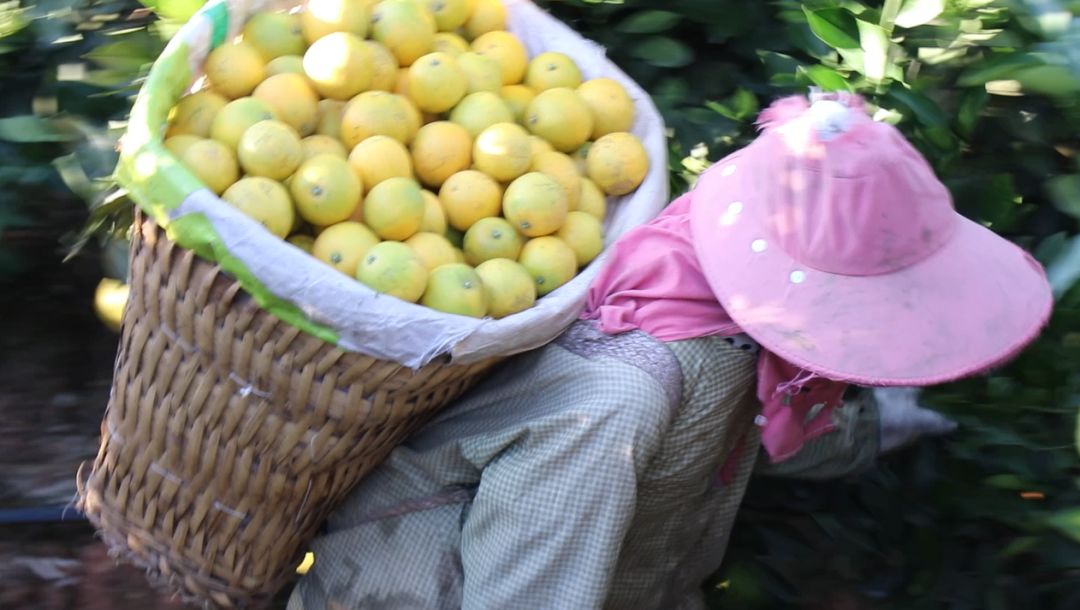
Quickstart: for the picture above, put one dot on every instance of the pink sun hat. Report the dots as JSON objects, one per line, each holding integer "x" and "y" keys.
{"x": 831, "y": 242}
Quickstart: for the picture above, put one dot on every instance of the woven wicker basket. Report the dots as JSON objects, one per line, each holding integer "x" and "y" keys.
{"x": 230, "y": 435}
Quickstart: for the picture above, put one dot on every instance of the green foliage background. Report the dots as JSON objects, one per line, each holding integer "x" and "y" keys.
{"x": 988, "y": 90}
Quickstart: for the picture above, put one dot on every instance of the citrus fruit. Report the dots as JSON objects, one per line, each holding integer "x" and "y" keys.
{"x": 508, "y": 285}
{"x": 439, "y": 150}
{"x": 286, "y": 64}
{"x": 477, "y": 111}
{"x": 322, "y": 145}
{"x": 375, "y": 113}
{"x": 274, "y": 34}
{"x": 549, "y": 261}
{"x": 434, "y": 220}
{"x": 326, "y": 190}
{"x": 394, "y": 208}
{"x": 449, "y": 14}
{"x": 502, "y": 151}
{"x": 234, "y": 119}
{"x": 436, "y": 83}
{"x": 304, "y": 242}
{"x": 552, "y": 69}
{"x": 560, "y": 117}
{"x": 328, "y": 122}
{"x": 213, "y": 163}
{"x": 234, "y": 69}
{"x": 322, "y": 17}
{"x": 517, "y": 97}
{"x": 449, "y": 43}
{"x": 178, "y": 144}
{"x": 343, "y": 246}
{"x": 611, "y": 106}
{"x": 584, "y": 234}
{"x": 406, "y": 28}
{"x": 264, "y": 200}
{"x": 339, "y": 65}
{"x": 433, "y": 249}
{"x": 617, "y": 163}
{"x": 110, "y": 298}
{"x": 592, "y": 200}
{"x": 468, "y": 196}
{"x": 195, "y": 113}
{"x": 392, "y": 268}
{"x": 535, "y": 204}
{"x": 539, "y": 144}
{"x": 489, "y": 238}
{"x": 384, "y": 67}
{"x": 487, "y": 16}
{"x": 562, "y": 169}
{"x": 379, "y": 158}
{"x": 292, "y": 100}
{"x": 455, "y": 288}
{"x": 481, "y": 72}
{"x": 271, "y": 149}
{"x": 507, "y": 51}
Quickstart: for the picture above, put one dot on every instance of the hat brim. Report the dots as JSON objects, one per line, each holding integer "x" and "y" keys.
{"x": 973, "y": 304}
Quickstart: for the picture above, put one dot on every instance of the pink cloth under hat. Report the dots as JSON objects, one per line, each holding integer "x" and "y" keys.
{"x": 840, "y": 251}
{"x": 652, "y": 282}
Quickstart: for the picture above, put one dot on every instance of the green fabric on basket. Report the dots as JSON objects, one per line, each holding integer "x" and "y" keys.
{"x": 218, "y": 13}
{"x": 154, "y": 177}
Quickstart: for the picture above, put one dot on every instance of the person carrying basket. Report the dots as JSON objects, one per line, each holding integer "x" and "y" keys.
{"x": 725, "y": 338}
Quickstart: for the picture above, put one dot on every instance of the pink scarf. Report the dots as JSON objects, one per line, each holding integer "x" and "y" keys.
{"x": 652, "y": 282}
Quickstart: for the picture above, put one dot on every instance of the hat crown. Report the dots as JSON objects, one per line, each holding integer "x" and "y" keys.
{"x": 846, "y": 194}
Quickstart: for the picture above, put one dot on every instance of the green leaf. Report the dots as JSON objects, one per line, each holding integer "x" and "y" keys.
{"x": 1064, "y": 271}
{"x": 1067, "y": 522}
{"x": 1057, "y": 81}
{"x": 998, "y": 67}
{"x": 174, "y": 9}
{"x": 664, "y": 52}
{"x": 1064, "y": 191}
{"x": 29, "y": 128}
{"x": 1076, "y": 434}
{"x": 125, "y": 55}
{"x": 827, "y": 78}
{"x": 918, "y": 12}
{"x": 971, "y": 107}
{"x": 874, "y": 42}
{"x": 649, "y": 22}
{"x": 924, "y": 108}
{"x": 835, "y": 27}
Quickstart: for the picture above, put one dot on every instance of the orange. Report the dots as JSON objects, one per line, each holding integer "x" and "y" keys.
{"x": 535, "y": 204}
{"x": 468, "y": 196}
{"x": 439, "y": 150}
{"x": 326, "y": 190}
{"x": 292, "y": 100}
{"x": 235, "y": 69}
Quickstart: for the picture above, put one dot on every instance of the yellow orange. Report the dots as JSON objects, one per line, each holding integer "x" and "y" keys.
{"x": 264, "y": 200}
{"x": 439, "y": 150}
{"x": 292, "y": 99}
{"x": 339, "y": 65}
{"x": 235, "y": 69}
{"x": 468, "y": 196}
{"x": 194, "y": 114}
{"x": 379, "y": 158}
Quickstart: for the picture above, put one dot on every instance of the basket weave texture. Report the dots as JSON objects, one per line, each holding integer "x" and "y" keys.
{"x": 231, "y": 435}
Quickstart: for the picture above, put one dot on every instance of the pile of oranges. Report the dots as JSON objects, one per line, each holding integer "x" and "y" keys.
{"x": 415, "y": 146}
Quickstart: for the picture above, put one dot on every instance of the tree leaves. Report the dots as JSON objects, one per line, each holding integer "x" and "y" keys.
{"x": 663, "y": 52}
{"x": 919, "y": 12}
{"x": 835, "y": 27}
